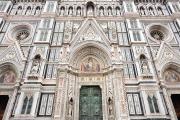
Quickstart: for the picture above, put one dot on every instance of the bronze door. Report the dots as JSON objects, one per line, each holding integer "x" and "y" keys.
{"x": 90, "y": 106}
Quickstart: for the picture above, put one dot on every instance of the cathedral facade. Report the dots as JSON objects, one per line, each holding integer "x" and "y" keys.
{"x": 90, "y": 60}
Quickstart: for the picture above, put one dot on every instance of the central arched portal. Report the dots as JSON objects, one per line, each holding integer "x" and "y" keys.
{"x": 90, "y": 86}
{"x": 91, "y": 64}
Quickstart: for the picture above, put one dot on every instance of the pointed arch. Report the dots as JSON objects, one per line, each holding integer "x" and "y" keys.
{"x": 96, "y": 51}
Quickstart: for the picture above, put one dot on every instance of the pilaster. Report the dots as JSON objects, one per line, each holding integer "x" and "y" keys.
{"x": 120, "y": 95}
{"x": 61, "y": 95}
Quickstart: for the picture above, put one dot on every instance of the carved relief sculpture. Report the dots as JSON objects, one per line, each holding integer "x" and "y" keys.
{"x": 90, "y": 65}
{"x": 171, "y": 76}
{"x": 70, "y": 109}
{"x": 7, "y": 77}
{"x": 35, "y": 67}
{"x": 110, "y": 106}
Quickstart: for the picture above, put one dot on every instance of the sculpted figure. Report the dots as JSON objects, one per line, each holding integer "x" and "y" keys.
{"x": 109, "y": 12}
{"x": 70, "y": 112}
{"x": 62, "y": 11}
{"x": 90, "y": 11}
{"x": 35, "y": 67}
{"x": 110, "y": 106}
{"x": 144, "y": 67}
{"x": 117, "y": 11}
{"x": 101, "y": 12}
{"x": 70, "y": 12}
{"x": 78, "y": 12}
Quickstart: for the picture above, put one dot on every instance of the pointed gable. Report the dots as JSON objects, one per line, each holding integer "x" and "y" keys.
{"x": 165, "y": 55}
{"x": 13, "y": 54}
{"x": 90, "y": 31}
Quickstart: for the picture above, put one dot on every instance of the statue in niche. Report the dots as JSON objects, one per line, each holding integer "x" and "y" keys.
{"x": 78, "y": 12}
{"x": 90, "y": 65}
{"x": 109, "y": 11}
{"x": 7, "y": 77}
{"x": 62, "y": 11}
{"x": 70, "y": 11}
{"x": 142, "y": 11}
{"x": 50, "y": 7}
{"x": 144, "y": 67}
{"x": 90, "y": 11}
{"x": 110, "y": 106}
{"x": 151, "y": 11}
{"x": 160, "y": 11}
{"x": 70, "y": 112}
{"x": 101, "y": 12}
{"x": 35, "y": 67}
{"x": 171, "y": 76}
{"x": 117, "y": 11}
{"x": 144, "y": 64}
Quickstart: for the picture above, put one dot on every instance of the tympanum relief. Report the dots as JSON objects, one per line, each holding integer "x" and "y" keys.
{"x": 7, "y": 77}
{"x": 90, "y": 65}
{"x": 172, "y": 76}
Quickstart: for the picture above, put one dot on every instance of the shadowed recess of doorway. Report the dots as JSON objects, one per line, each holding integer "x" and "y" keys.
{"x": 3, "y": 102}
{"x": 175, "y": 99}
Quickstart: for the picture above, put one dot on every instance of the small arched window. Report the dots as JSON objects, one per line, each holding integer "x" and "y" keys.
{"x": 24, "y": 105}
{"x": 27, "y": 105}
{"x": 155, "y": 104}
{"x": 150, "y": 104}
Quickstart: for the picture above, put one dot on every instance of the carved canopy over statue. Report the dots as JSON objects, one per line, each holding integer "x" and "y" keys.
{"x": 90, "y": 65}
